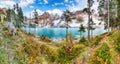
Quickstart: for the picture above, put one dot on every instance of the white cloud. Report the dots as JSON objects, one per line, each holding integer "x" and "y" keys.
{"x": 55, "y": 4}
{"x": 7, "y": 3}
{"x": 10, "y": 3}
{"x": 81, "y": 4}
{"x": 58, "y": 3}
{"x": 39, "y": 11}
{"x": 24, "y": 3}
{"x": 95, "y": 6}
{"x": 28, "y": 14}
{"x": 40, "y": 3}
{"x": 66, "y": 0}
{"x": 45, "y": 1}
{"x": 31, "y": 6}
{"x": 77, "y": 1}
{"x": 71, "y": 1}
{"x": 2, "y": 6}
{"x": 55, "y": 11}
{"x": 73, "y": 8}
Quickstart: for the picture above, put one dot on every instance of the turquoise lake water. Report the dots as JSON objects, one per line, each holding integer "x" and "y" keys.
{"x": 60, "y": 32}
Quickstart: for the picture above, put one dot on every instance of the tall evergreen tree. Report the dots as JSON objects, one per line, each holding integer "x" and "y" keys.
{"x": 91, "y": 26}
{"x": 118, "y": 14}
{"x": 81, "y": 29}
{"x": 89, "y": 11}
{"x": 104, "y": 10}
{"x": 109, "y": 13}
{"x": 67, "y": 17}
{"x": 8, "y": 16}
{"x": 36, "y": 16}
{"x": 13, "y": 16}
{"x": 19, "y": 18}
{"x": 36, "y": 19}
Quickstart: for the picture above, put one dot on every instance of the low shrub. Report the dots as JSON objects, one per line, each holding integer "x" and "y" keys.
{"x": 2, "y": 56}
{"x": 116, "y": 38}
{"x": 83, "y": 40}
{"x": 70, "y": 40}
{"x": 1, "y": 39}
{"x": 62, "y": 55}
{"x": 44, "y": 38}
{"x": 78, "y": 48}
{"x": 48, "y": 52}
{"x": 102, "y": 55}
{"x": 5, "y": 28}
{"x": 66, "y": 54}
{"x": 117, "y": 42}
{"x": 110, "y": 33}
{"x": 94, "y": 60}
{"x": 20, "y": 57}
{"x": 30, "y": 49}
{"x": 97, "y": 39}
{"x": 31, "y": 34}
{"x": 7, "y": 32}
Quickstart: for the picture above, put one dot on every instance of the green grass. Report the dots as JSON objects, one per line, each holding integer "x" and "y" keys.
{"x": 25, "y": 49}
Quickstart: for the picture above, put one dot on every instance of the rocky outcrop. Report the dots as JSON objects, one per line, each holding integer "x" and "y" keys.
{"x": 54, "y": 20}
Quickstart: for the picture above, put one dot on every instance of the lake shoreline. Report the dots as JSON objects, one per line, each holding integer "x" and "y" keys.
{"x": 59, "y": 34}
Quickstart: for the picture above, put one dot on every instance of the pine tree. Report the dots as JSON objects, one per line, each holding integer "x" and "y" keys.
{"x": 118, "y": 14}
{"x": 8, "y": 17}
{"x": 91, "y": 26}
{"x": 67, "y": 18}
{"x": 36, "y": 16}
{"x": 104, "y": 12}
{"x": 109, "y": 13}
{"x": 18, "y": 14}
{"x": 81, "y": 29}
{"x": 21, "y": 17}
{"x": 89, "y": 11}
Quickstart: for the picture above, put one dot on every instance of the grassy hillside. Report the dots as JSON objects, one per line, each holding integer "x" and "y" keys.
{"x": 24, "y": 48}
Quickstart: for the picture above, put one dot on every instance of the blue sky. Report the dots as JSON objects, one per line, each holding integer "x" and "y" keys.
{"x": 45, "y": 5}
{"x": 53, "y": 4}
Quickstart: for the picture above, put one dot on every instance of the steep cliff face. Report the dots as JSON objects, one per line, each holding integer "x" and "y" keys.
{"x": 55, "y": 20}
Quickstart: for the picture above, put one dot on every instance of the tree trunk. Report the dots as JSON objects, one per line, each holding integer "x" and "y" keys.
{"x": 67, "y": 32}
{"x": 88, "y": 22}
{"x": 29, "y": 27}
{"x": 108, "y": 17}
{"x": 29, "y": 24}
{"x": 80, "y": 34}
{"x": 91, "y": 33}
{"x": 35, "y": 30}
{"x": 119, "y": 27}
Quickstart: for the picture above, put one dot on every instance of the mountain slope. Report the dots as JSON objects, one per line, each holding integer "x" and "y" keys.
{"x": 24, "y": 48}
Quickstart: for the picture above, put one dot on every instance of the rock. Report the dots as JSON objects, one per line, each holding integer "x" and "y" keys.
{"x": 11, "y": 27}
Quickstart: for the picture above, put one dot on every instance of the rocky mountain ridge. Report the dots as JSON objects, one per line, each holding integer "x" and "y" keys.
{"x": 54, "y": 20}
